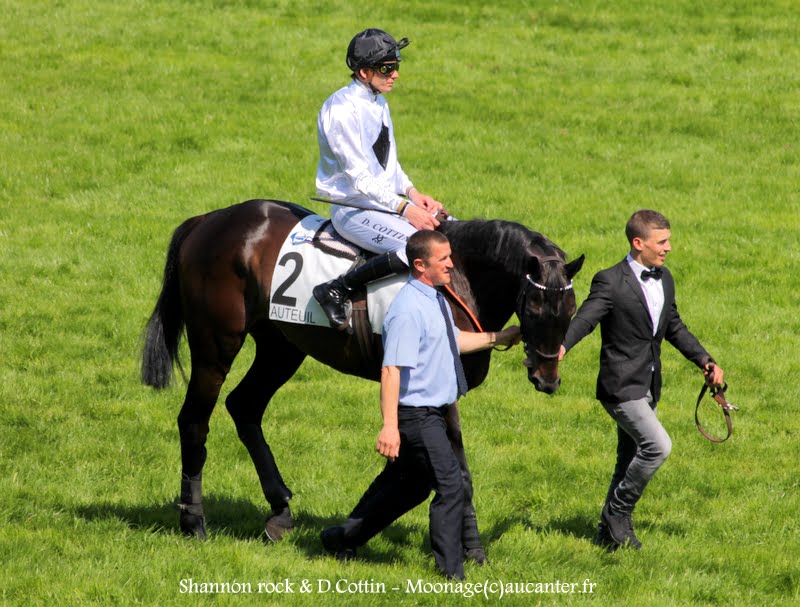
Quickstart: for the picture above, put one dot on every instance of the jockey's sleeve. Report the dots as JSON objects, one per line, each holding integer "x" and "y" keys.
{"x": 345, "y": 142}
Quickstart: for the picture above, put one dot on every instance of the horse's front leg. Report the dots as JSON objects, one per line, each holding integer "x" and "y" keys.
{"x": 470, "y": 538}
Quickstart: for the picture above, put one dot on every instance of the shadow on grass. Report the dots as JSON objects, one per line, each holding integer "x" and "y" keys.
{"x": 243, "y": 520}
{"x": 580, "y": 527}
{"x": 153, "y": 518}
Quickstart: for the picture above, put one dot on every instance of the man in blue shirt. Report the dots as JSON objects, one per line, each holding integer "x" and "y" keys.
{"x": 420, "y": 378}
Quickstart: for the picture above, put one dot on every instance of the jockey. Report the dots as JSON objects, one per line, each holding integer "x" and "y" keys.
{"x": 358, "y": 166}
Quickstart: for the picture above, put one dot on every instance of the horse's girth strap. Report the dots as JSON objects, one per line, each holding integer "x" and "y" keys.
{"x": 362, "y": 328}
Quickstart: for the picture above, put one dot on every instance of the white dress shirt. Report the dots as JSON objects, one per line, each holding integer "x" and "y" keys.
{"x": 653, "y": 291}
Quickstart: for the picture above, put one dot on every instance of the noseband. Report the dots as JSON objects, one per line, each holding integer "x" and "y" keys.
{"x": 530, "y": 282}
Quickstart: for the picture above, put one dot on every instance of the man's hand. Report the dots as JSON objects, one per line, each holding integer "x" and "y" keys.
{"x": 470, "y": 341}
{"x": 713, "y": 375}
{"x": 420, "y": 218}
{"x": 509, "y": 336}
{"x": 389, "y": 442}
{"x": 389, "y": 438}
{"x": 426, "y": 202}
{"x": 561, "y": 352}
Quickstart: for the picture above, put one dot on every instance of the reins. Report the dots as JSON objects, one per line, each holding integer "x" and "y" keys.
{"x": 470, "y": 314}
{"x": 718, "y": 394}
{"x": 462, "y": 304}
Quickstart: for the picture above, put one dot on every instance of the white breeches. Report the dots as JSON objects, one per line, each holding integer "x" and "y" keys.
{"x": 372, "y": 230}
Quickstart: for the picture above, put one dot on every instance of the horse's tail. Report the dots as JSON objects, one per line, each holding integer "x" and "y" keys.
{"x": 165, "y": 327}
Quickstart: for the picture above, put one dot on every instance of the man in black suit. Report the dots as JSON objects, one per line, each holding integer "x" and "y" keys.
{"x": 634, "y": 303}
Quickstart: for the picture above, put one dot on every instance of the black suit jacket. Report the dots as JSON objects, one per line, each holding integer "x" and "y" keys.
{"x": 629, "y": 350}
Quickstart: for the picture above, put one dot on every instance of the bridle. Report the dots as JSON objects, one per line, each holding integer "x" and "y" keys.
{"x": 718, "y": 394}
{"x": 529, "y": 284}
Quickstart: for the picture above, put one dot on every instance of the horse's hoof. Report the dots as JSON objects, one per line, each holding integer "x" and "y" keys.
{"x": 477, "y": 556}
{"x": 193, "y": 525}
{"x": 278, "y": 525}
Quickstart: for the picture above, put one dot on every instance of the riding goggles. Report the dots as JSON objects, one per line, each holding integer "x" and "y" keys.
{"x": 387, "y": 69}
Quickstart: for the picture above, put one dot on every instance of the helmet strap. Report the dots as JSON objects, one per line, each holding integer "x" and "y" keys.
{"x": 364, "y": 81}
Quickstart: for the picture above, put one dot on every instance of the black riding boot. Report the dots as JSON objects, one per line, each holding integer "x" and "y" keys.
{"x": 333, "y": 295}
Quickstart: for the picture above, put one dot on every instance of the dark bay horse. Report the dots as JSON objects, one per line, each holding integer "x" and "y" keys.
{"x": 216, "y": 288}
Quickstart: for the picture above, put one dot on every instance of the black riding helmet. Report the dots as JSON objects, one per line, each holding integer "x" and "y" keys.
{"x": 371, "y": 47}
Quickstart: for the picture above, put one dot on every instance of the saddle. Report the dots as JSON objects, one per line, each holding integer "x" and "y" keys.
{"x": 328, "y": 240}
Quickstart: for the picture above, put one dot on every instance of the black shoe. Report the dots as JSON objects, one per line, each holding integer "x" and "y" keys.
{"x": 477, "y": 556}
{"x": 604, "y": 539}
{"x": 620, "y": 528}
{"x": 633, "y": 541}
{"x": 334, "y": 542}
{"x": 333, "y": 297}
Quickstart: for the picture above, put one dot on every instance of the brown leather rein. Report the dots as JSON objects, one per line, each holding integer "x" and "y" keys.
{"x": 718, "y": 394}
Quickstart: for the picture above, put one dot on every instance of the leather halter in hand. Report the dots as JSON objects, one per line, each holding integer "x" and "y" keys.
{"x": 718, "y": 394}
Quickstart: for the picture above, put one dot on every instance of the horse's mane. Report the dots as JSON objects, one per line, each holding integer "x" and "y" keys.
{"x": 496, "y": 241}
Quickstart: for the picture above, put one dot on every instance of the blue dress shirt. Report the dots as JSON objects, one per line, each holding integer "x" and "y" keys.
{"x": 415, "y": 340}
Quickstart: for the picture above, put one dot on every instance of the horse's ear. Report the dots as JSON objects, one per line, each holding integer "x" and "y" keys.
{"x": 573, "y": 267}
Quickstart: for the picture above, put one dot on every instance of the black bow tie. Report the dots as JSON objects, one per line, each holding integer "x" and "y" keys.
{"x": 652, "y": 273}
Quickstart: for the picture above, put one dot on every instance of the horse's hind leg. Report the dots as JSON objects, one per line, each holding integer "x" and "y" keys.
{"x": 212, "y": 356}
{"x": 276, "y": 360}
{"x": 470, "y": 538}
{"x": 201, "y": 396}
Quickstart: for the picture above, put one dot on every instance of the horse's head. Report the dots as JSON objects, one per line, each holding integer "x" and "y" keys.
{"x": 545, "y": 305}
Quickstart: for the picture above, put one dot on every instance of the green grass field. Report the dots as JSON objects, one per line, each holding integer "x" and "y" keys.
{"x": 119, "y": 120}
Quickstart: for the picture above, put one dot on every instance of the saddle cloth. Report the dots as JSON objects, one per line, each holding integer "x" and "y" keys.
{"x": 314, "y": 253}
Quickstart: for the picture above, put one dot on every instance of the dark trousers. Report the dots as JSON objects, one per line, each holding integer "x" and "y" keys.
{"x": 426, "y": 463}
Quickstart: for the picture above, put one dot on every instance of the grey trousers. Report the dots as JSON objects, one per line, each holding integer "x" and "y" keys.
{"x": 642, "y": 446}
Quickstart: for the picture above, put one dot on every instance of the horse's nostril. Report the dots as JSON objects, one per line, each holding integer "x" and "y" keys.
{"x": 548, "y": 387}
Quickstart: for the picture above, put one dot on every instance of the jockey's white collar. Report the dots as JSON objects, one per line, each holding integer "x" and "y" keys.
{"x": 367, "y": 87}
